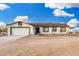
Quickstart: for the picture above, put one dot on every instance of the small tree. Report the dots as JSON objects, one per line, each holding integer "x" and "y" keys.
{"x": 5, "y": 30}
{"x": 0, "y": 30}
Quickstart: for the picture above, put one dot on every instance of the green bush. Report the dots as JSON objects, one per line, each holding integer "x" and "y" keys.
{"x": 4, "y": 30}
{"x": 0, "y": 30}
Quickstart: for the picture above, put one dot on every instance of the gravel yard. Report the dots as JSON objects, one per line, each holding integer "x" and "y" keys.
{"x": 42, "y": 46}
{"x": 6, "y": 39}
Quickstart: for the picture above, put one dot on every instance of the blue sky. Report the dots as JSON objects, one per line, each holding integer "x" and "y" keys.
{"x": 36, "y": 12}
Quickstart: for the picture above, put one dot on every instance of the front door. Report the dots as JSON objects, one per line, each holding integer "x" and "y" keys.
{"x": 37, "y": 31}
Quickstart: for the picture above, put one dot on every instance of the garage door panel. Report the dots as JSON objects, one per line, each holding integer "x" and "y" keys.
{"x": 20, "y": 31}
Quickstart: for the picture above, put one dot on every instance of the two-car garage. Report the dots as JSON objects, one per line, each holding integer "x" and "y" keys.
{"x": 20, "y": 31}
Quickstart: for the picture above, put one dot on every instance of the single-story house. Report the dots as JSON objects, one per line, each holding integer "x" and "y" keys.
{"x": 22, "y": 28}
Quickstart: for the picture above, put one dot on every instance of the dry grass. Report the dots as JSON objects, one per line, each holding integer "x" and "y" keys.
{"x": 42, "y": 45}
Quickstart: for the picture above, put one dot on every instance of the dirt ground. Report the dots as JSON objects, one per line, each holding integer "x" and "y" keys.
{"x": 42, "y": 46}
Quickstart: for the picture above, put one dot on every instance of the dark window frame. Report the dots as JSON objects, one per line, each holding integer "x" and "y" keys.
{"x": 19, "y": 23}
{"x": 44, "y": 29}
{"x": 61, "y": 29}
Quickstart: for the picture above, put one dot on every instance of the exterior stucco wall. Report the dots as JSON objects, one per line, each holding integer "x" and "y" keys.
{"x": 41, "y": 31}
{"x": 67, "y": 28}
{"x": 23, "y": 25}
{"x": 14, "y": 25}
{"x": 50, "y": 31}
{"x": 8, "y": 31}
{"x": 32, "y": 29}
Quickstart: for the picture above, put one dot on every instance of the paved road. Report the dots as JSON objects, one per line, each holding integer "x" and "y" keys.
{"x": 6, "y": 39}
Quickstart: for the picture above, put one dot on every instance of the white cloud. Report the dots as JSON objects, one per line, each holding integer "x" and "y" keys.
{"x": 61, "y": 5}
{"x": 2, "y": 24}
{"x": 21, "y": 18}
{"x": 73, "y": 22}
{"x": 59, "y": 8}
{"x": 59, "y": 12}
{"x": 4, "y": 6}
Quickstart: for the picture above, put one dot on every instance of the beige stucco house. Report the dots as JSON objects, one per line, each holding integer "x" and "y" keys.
{"x": 22, "y": 28}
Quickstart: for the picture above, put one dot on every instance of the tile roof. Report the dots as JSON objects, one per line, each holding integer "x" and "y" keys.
{"x": 45, "y": 24}
{"x": 49, "y": 25}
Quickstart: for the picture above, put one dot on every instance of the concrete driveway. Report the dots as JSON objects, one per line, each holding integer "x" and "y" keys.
{"x": 6, "y": 39}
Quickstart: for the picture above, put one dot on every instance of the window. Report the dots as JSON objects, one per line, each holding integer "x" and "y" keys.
{"x": 54, "y": 29}
{"x": 19, "y": 23}
{"x": 46, "y": 29}
{"x": 62, "y": 29}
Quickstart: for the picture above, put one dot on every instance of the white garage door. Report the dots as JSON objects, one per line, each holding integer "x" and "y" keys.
{"x": 20, "y": 31}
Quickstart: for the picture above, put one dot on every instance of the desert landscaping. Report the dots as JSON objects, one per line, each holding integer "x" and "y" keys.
{"x": 42, "y": 45}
